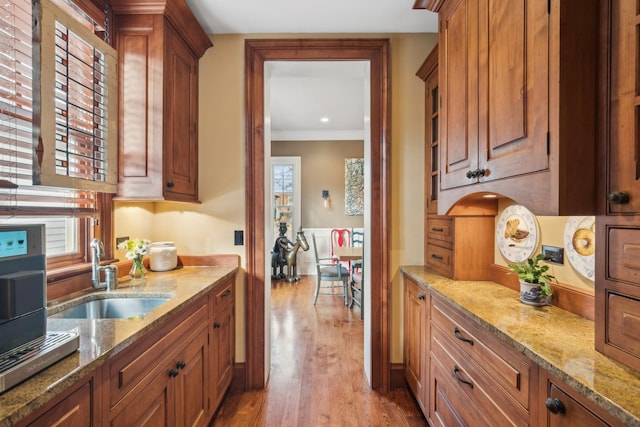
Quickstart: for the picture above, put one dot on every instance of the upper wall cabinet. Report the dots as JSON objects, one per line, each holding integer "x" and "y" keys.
{"x": 517, "y": 81}
{"x": 159, "y": 45}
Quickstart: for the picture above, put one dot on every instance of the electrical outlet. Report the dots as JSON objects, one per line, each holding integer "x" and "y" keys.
{"x": 238, "y": 237}
{"x": 121, "y": 239}
{"x": 553, "y": 254}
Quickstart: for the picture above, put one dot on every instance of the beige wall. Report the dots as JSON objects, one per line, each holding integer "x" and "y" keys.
{"x": 322, "y": 164}
{"x": 208, "y": 227}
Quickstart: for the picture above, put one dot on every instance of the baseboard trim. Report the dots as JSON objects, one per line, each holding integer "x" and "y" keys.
{"x": 397, "y": 376}
{"x": 565, "y": 296}
{"x": 239, "y": 376}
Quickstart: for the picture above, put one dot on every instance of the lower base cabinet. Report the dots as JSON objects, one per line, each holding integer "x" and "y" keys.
{"x": 176, "y": 375}
{"x": 475, "y": 379}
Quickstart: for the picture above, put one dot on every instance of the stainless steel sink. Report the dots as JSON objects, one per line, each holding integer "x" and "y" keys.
{"x": 111, "y": 308}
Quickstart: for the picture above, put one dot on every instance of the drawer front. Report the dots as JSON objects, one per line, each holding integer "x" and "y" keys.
{"x": 224, "y": 296}
{"x": 470, "y": 380}
{"x": 507, "y": 369}
{"x": 440, "y": 259}
{"x": 623, "y": 323}
{"x": 440, "y": 231}
{"x": 133, "y": 366}
{"x": 624, "y": 254}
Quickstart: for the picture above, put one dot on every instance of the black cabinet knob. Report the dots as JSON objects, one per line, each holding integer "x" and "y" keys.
{"x": 170, "y": 184}
{"x": 555, "y": 406}
{"x": 421, "y": 297}
{"x": 181, "y": 364}
{"x": 471, "y": 174}
{"x": 481, "y": 172}
{"x": 173, "y": 373}
{"x": 618, "y": 197}
{"x": 216, "y": 325}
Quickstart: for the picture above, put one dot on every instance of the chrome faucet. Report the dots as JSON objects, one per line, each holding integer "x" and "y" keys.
{"x": 110, "y": 271}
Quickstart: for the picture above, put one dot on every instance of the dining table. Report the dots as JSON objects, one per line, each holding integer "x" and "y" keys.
{"x": 348, "y": 253}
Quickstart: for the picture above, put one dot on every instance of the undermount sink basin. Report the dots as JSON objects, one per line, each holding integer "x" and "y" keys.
{"x": 111, "y": 308}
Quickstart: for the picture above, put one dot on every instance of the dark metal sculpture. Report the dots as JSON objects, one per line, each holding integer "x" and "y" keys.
{"x": 278, "y": 260}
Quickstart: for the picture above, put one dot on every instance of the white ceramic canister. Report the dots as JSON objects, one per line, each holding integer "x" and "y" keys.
{"x": 164, "y": 256}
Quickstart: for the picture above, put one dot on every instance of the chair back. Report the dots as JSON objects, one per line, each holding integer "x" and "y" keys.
{"x": 357, "y": 238}
{"x": 340, "y": 237}
{"x": 315, "y": 253}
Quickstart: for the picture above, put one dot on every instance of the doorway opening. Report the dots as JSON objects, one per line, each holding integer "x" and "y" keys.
{"x": 376, "y": 52}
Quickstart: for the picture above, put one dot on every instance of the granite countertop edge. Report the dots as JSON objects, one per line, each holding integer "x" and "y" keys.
{"x": 609, "y": 385}
{"x": 185, "y": 284}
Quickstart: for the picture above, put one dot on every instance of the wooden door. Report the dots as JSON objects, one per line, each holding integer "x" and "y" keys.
{"x": 181, "y": 115}
{"x": 192, "y": 383}
{"x": 222, "y": 351}
{"x": 458, "y": 71}
{"x": 513, "y": 71}
{"x": 624, "y": 140}
{"x": 153, "y": 406}
{"x": 572, "y": 413}
{"x": 416, "y": 351}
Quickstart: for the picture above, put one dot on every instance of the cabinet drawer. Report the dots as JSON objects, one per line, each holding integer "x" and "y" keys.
{"x": 224, "y": 296}
{"x": 623, "y": 323}
{"x": 504, "y": 367}
{"x": 624, "y": 254}
{"x": 470, "y": 380}
{"x": 440, "y": 259}
{"x": 440, "y": 231}
{"x": 131, "y": 368}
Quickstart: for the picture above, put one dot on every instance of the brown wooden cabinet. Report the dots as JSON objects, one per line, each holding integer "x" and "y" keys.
{"x": 222, "y": 340}
{"x": 617, "y": 282}
{"x": 561, "y": 406}
{"x": 429, "y": 73}
{"x": 416, "y": 341}
{"x": 158, "y": 51}
{"x": 460, "y": 247}
{"x": 474, "y": 378}
{"x": 517, "y": 115}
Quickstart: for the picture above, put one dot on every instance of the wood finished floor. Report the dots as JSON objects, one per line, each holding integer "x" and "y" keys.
{"x": 317, "y": 376}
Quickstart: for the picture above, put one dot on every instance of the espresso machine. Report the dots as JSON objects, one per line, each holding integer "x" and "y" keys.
{"x": 25, "y": 345}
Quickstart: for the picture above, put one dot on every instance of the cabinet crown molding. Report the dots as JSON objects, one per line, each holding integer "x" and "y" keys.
{"x": 177, "y": 13}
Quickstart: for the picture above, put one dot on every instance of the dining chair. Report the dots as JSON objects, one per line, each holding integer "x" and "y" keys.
{"x": 340, "y": 237}
{"x": 357, "y": 240}
{"x": 357, "y": 288}
{"x": 331, "y": 273}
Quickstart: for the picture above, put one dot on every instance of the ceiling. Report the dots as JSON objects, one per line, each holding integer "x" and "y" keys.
{"x": 301, "y": 94}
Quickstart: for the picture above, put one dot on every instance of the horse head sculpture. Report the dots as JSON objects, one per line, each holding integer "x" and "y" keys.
{"x": 291, "y": 256}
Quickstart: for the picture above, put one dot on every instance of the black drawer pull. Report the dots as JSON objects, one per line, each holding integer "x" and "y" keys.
{"x": 457, "y": 376}
{"x": 421, "y": 297}
{"x": 438, "y": 257}
{"x": 618, "y": 197}
{"x": 439, "y": 230}
{"x": 226, "y": 293}
{"x": 458, "y": 335}
{"x": 555, "y": 406}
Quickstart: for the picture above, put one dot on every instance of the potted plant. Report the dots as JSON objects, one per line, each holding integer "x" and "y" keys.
{"x": 535, "y": 282}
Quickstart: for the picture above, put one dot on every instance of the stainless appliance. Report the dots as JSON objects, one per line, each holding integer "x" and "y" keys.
{"x": 25, "y": 346}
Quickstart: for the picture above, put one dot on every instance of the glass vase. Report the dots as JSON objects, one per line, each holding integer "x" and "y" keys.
{"x": 137, "y": 270}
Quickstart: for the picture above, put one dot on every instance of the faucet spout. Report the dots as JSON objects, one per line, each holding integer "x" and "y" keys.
{"x": 111, "y": 271}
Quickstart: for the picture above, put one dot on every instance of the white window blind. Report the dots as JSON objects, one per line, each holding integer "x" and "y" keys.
{"x": 17, "y": 194}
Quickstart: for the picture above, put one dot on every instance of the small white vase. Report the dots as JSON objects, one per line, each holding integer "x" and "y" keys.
{"x": 531, "y": 294}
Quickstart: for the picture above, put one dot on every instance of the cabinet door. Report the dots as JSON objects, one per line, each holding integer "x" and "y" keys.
{"x": 222, "y": 351}
{"x": 153, "y": 406}
{"x": 73, "y": 411}
{"x": 458, "y": 71}
{"x": 624, "y": 140}
{"x": 180, "y": 125}
{"x": 416, "y": 350}
{"x": 513, "y": 71}
{"x": 192, "y": 383}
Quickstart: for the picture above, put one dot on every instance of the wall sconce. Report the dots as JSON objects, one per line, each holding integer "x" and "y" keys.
{"x": 325, "y": 197}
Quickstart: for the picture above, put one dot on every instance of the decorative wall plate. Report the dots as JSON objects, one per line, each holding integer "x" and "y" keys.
{"x": 580, "y": 244}
{"x": 517, "y": 233}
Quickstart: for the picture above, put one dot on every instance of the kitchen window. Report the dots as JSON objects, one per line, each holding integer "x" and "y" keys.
{"x": 72, "y": 121}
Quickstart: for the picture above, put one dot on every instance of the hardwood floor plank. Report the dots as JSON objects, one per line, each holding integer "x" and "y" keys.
{"x": 317, "y": 375}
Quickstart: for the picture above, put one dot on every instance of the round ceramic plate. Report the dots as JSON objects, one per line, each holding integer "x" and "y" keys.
{"x": 517, "y": 233}
{"x": 580, "y": 244}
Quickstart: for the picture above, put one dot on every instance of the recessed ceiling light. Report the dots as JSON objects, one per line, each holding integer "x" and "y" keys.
{"x": 324, "y": 119}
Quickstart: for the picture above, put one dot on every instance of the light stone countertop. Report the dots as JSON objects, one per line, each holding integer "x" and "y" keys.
{"x": 557, "y": 340}
{"x": 100, "y": 339}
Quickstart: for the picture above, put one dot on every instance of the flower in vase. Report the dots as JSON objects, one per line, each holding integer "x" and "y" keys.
{"x": 136, "y": 250}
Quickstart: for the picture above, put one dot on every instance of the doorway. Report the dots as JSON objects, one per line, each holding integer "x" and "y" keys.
{"x": 257, "y": 52}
